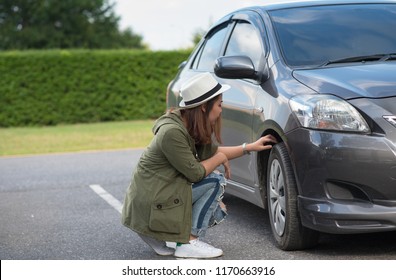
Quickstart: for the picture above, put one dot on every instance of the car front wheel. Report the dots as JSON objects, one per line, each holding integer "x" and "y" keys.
{"x": 286, "y": 225}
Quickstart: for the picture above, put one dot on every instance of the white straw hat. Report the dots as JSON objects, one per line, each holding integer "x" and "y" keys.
{"x": 200, "y": 89}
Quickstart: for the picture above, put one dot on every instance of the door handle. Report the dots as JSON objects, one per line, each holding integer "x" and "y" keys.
{"x": 259, "y": 109}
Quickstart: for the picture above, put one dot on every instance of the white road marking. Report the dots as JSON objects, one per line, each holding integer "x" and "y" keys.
{"x": 117, "y": 205}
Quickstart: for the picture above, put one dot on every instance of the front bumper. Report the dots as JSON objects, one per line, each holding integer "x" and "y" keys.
{"x": 346, "y": 182}
{"x": 332, "y": 216}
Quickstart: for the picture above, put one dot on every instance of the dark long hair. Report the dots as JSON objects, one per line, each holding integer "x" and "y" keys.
{"x": 198, "y": 125}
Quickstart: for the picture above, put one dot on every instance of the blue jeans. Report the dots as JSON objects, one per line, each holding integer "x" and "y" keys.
{"x": 206, "y": 211}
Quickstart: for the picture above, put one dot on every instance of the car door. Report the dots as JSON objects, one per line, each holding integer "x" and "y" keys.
{"x": 239, "y": 102}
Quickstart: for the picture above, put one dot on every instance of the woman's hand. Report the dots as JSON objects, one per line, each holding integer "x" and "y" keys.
{"x": 217, "y": 159}
{"x": 263, "y": 143}
{"x": 227, "y": 169}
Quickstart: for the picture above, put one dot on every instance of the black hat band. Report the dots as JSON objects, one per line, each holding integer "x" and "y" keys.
{"x": 204, "y": 96}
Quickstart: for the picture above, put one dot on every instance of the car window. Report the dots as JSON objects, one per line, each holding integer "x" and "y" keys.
{"x": 210, "y": 51}
{"x": 245, "y": 40}
{"x": 315, "y": 35}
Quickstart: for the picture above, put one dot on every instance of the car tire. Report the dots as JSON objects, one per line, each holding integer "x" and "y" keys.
{"x": 283, "y": 212}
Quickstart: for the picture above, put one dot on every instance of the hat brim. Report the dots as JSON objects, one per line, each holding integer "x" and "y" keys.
{"x": 223, "y": 88}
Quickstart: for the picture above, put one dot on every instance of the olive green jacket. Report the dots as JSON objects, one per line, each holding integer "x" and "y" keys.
{"x": 158, "y": 202}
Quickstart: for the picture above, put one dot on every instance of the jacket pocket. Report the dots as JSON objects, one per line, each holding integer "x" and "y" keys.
{"x": 167, "y": 216}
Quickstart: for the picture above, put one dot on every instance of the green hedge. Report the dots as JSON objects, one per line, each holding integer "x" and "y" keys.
{"x": 80, "y": 86}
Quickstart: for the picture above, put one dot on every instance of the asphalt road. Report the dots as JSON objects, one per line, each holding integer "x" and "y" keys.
{"x": 48, "y": 211}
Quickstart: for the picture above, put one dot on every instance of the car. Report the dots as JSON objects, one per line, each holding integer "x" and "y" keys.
{"x": 321, "y": 77}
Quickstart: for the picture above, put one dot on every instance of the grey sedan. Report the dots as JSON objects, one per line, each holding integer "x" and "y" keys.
{"x": 321, "y": 77}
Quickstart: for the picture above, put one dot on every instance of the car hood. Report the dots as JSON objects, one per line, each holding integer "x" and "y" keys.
{"x": 365, "y": 80}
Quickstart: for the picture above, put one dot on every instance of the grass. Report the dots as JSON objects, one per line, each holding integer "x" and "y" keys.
{"x": 73, "y": 138}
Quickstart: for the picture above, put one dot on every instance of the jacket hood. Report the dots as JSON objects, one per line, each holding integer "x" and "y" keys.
{"x": 365, "y": 80}
{"x": 173, "y": 117}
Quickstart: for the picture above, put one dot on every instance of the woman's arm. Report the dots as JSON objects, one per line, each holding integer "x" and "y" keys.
{"x": 264, "y": 143}
{"x": 224, "y": 154}
{"x": 213, "y": 162}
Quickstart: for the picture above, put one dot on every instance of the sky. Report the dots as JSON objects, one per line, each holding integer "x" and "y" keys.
{"x": 171, "y": 24}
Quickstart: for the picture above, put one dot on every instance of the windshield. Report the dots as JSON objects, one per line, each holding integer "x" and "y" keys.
{"x": 313, "y": 36}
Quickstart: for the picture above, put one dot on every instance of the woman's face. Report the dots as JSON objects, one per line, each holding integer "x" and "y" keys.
{"x": 215, "y": 113}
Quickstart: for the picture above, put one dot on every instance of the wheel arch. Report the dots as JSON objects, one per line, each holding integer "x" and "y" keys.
{"x": 274, "y": 129}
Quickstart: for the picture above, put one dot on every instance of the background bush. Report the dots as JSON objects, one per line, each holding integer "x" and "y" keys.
{"x": 81, "y": 86}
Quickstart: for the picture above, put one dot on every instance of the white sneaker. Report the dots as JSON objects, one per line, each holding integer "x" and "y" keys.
{"x": 157, "y": 245}
{"x": 197, "y": 249}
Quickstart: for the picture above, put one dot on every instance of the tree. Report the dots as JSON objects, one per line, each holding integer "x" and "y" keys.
{"x": 42, "y": 24}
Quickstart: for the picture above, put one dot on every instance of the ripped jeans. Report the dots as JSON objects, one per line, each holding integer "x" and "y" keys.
{"x": 206, "y": 198}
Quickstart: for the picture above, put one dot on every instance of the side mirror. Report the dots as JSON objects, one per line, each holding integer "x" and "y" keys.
{"x": 181, "y": 65}
{"x": 235, "y": 67}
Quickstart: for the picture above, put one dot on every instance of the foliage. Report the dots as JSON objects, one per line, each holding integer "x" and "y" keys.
{"x": 82, "y": 86}
{"x": 197, "y": 36}
{"x": 43, "y": 24}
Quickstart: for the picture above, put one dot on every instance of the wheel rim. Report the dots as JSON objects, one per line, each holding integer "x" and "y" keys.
{"x": 277, "y": 198}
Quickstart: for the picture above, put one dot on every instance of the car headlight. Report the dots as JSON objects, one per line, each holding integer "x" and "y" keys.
{"x": 327, "y": 112}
